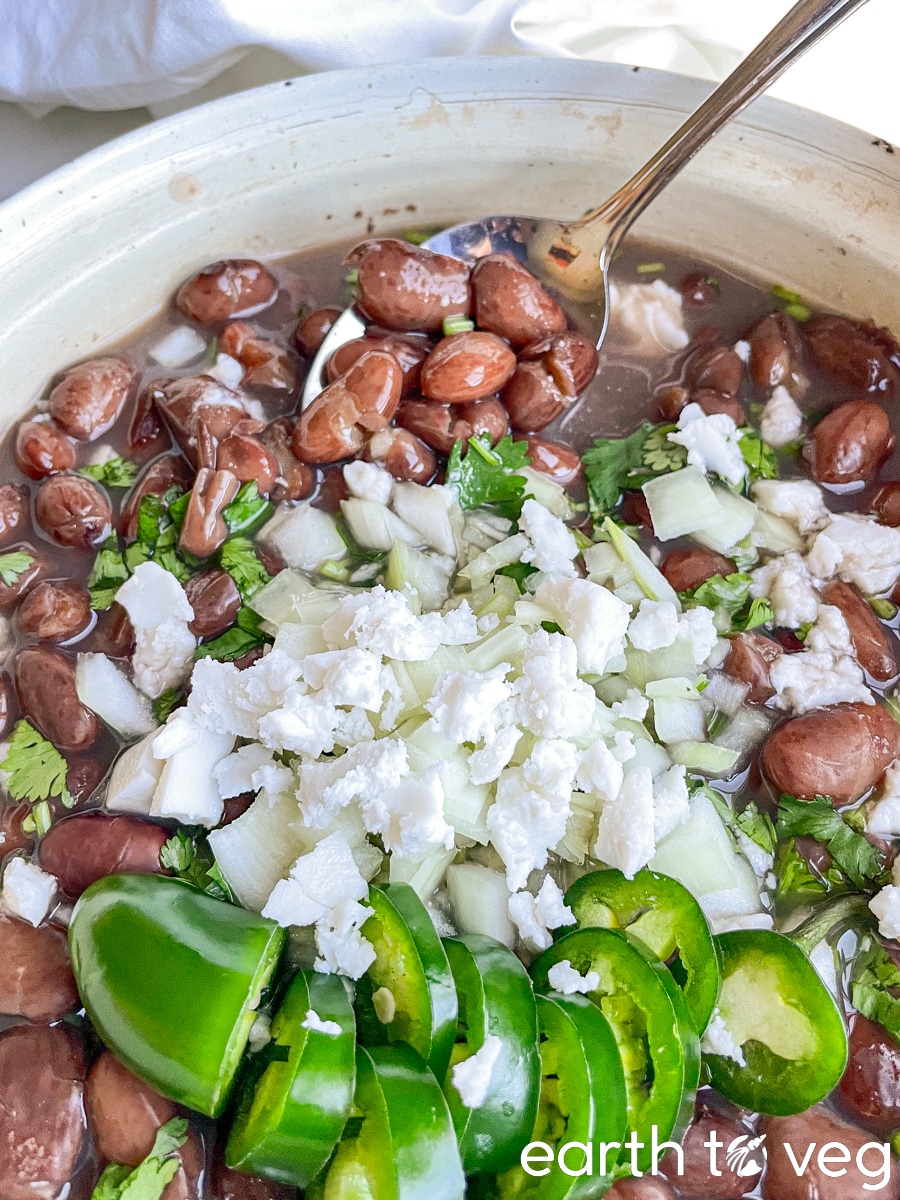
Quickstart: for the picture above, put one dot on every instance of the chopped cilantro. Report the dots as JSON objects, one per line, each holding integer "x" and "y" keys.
{"x": 117, "y": 473}
{"x": 165, "y": 703}
{"x": 757, "y": 826}
{"x": 486, "y": 474}
{"x": 157, "y": 536}
{"x": 14, "y": 564}
{"x": 192, "y": 860}
{"x": 613, "y": 464}
{"x": 791, "y": 303}
{"x": 852, "y": 853}
{"x": 108, "y": 573}
{"x": 239, "y": 558}
{"x": 247, "y": 511}
{"x": 519, "y": 572}
{"x": 150, "y": 1178}
{"x": 36, "y": 768}
{"x": 759, "y": 457}
{"x": 796, "y": 883}
{"x": 874, "y": 980}
{"x": 730, "y": 595}
{"x": 245, "y": 635}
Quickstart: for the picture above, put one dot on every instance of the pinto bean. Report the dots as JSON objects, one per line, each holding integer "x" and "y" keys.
{"x": 513, "y": 303}
{"x": 570, "y": 359}
{"x": 147, "y": 434}
{"x": 635, "y": 510}
{"x": 485, "y": 418}
{"x": 266, "y": 363}
{"x": 748, "y": 661}
{"x": 869, "y": 1091}
{"x": 858, "y": 353}
{"x": 235, "y": 1185}
{"x": 42, "y": 1073}
{"x": 45, "y": 685}
{"x": 8, "y": 708}
{"x": 55, "y": 612}
{"x": 409, "y": 288}
{"x": 467, "y": 366}
{"x": 73, "y": 512}
{"x": 198, "y": 402}
{"x": 872, "y": 645}
{"x": 715, "y": 367}
{"x": 333, "y": 491}
{"x": 169, "y": 470}
{"x": 86, "y": 771}
{"x": 248, "y": 460}
{"x": 310, "y": 333}
{"x": 36, "y": 980}
{"x": 775, "y": 348}
{"x": 42, "y": 449}
{"x": 363, "y": 400}
{"x": 13, "y": 510}
{"x": 87, "y": 399}
{"x": 886, "y": 504}
{"x": 441, "y": 425}
{"x": 113, "y": 634}
{"x": 850, "y": 443}
{"x": 695, "y": 1181}
{"x": 295, "y": 480}
{"x": 817, "y": 1127}
{"x": 687, "y": 569}
{"x": 12, "y": 834}
{"x": 698, "y": 290}
{"x": 237, "y": 287}
{"x": 236, "y": 806}
{"x": 410, "y": 353}
{"x": 12, "y": 592}
{"x": 556, "y": 461}
{"x": 215, "y": 600}
{"x": 188, "y": 1182}
{"x": 204, "y": 529}
{"x": 402, "y": 454}
{"x": 124, "y": 1113}
{"x": 532, "y": 397}
{"x": 839, "y": 752}
{"x": 717, "y": 402}
{"x": 89, "y": 846}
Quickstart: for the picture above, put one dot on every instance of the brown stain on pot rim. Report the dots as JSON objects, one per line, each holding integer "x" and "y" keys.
{"x": 184, "y": 188}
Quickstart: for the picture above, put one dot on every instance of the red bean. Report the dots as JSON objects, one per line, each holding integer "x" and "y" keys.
{"x": 238, "y": 287}
{"x": 266, "y": 363}
{"x": 89, "y": 846}
{"x": 20, "y": 581}
{"x": 147, "y": 433}
{"x": 817, "y": 1127}
{"x": 466, "y": 367}
{"x": 12, "y": 815}
{"x": 532, "y": 397}
{"x": 688, "y": 568}
{"x": 748, "y": 661}
{"x": 36, "y": 980}
{"x": 124, "y": 1113}
{"x": 408, "y": 288}
{"x": 215, "y": 599}
{"x": 248, "y": 460}
{"x": 198, "y": 402}
{"x": 73, "y": 512}
{"x": 295, "y": 480}
{"x": 513, "y": 303}
{"x": 869, "y": 1091}
{"x": 55, "y": 612}
{"x": 857, "y": 353}
{"x": 45, "y": 684}
{"x": 875, "y": 651}
{"x": 696, "y": 1181}
{"x": 13, "y": 510}
{"x": 698, "y": 290}
{"x": 362, "y": 401}
{"x": 42, "y": 449}
{"x": 775, "y": 349}
{"x": 715, "y": 367}
{"x": 850, "y": 443}
{"x": 204, "y": 529}
{"x": 402, "y": 454}
{"x": 886, "y": 504}
{"x": 169, "y": 470}
{"x": 310, "y": 333}
{"x": 558, "y": 462}
{"x": 409, "y": 352}
{"x": 87, "y": 399}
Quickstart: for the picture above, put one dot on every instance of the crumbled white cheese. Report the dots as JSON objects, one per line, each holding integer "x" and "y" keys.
{"x": 743, "y": 350}
{"x": 718, "y": 1040}
{"x": 252, "y": 768}
{"x": 657, "y": 624}
{"x": 260, "y": 1033}
{"x": 647, "y": 317}
{"x": 226, "y": 700}
{"x": 759, "y": 859}
{"x": 187, "y": 788}
{"x": 342, "y": 948}
{"x": 367, "y": 481}
{"x": 823, "y": 674}
{"x": 28, "y": 892}
{"x": 697, "y": 627}
{"x": 563, "y": 977}
{"x": 781, "y": 421}
{"x": 886, "y": 907}
{"x": 600, "y": 773}
{"x": 464, "y": 704}
{"x": 315, "y": 1024}
{"x": 472, "y": 1076}
{"x": 553, "y": 546}
{"x": 105, "y": 690}
{"x": 713, "y": 443}
{"x": 227, "y": 370}
{"x": 351, "y": 678}
{"x": 799, "y": 501}
{"x": 551, "y": 701}
{"x": 591, "y": 616}
{"x": 304, "y": 724}
{"x": 787, "y": 584}
{"x": 160, "y": 613}
{"x": 883, "y": 814}
{"x": 382, "y": 621}
{"x": 179, "y": 347}
{"x": 367, "y": 769}
{"x": 671, "y": 801}
{"x": 625, "y": 837}
{"x": 536, "y": 916}
{"x": 858, "y": 550}
{"x": 486, "y": 764}
{"x": 822, "y": 958}
{"x": 134, "y": 778}
{"x": 409, "y": 816}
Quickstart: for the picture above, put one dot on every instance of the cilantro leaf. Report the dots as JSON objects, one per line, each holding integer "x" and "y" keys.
{"x": 248, "y": 510}
{"x": 874, "y": 980}
{"x": 165, "y": 703}
{"x": 852, "y": 853}
{"x": 149, "y": 1179}
{"x": 157, "y": 536}
{"x": 108, "y": 574}
{"x": 239, "y": 558}
{"x": 757, "y": 826}
{"x": 36, "y": 768}
{"x": 14, "y": 564}
{"x": 192, "y": 860}
{"x": 730, "y": 595}
{"x": 607, "y": 465}
{"x": 660, "y": 456}
{"x": 117, "y": 473}
{"x": 759, "y": 457}
{"x": 245, "y": 635}
{"x": 486, "y": 474}
{"x": 796, "y": 882}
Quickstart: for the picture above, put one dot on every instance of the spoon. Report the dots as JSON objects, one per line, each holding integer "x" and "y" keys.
{"x": 574, "y": 257}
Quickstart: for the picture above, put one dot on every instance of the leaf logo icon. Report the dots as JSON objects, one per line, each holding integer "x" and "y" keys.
{"x": 746, "y": 1155}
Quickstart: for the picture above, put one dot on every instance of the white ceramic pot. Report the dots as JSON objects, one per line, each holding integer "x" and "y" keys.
{"x": 94, "y": 249}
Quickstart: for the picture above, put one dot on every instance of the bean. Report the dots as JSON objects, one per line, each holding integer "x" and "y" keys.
{"x": 147, "y": 434}
{"x": 886, "y": 504}
{"x": 361, "y": 401}
{"x": 698, "y": 290}
{"x": 237, "y": 287}
{"x": 13, "y": 510}
{"x": 124, "y": 1113}
{"x": 235, "y": 807}
{"x": 485, "y": 418}
{"x": 557, "y": 462}
{"x": 673, "y": 398}
{"x": 775, "y": 349}
{"x": 817, "y": 1127}
{"x": 113, "y": 634}
{"x": 333, "y": 490}
{"x": 169, "y": 470}
{"x": 248, "y": 460}
{"x": 310, "y": 333}
{"x": 188, "y": 1183}
{"x": 748, "y": 661}
{"x": 204, "y": 529}
{"x": 696, "y": 1181}
{"x": 872, "y": 645}
{"x": 869, "y": 1091}
{"x": 635, "y": 510}
{"x": 839, "y": 752}
{"x": 467, "y": 366}
{"x": 408, "y": 288}
{"x": 215, "y": 599}
{"x": 715, "y": 367}
{"x": 689, "y": 568}
{"x": 86, "y": 847}
{"x": 266, "y": 364}
{"x": 410, "y": 354}
{"x": 295, "y": 480}
{"x": 36, "y": 980}
{"x": 850, "y": 443}
{"x": 198, "y": 400}
{"x": 235, "y": 1185}
{"x": 42, "y": 449}
{"x": 45, "y": 685}
{"x": 87, "y": 771}
{"x": 569, "y": 357}
{"x": 12, "y": 836}
{"x": 441, "y": 425}
{"x": 11, "y": 593}
{"x": 87, "y": 399}
{"x": 512, "y": 303}
{"x": 55, "y": 612}
{"x": 73, "y": 512}
{"x": 42, "y": 1073}
{"x": 532, "y": 397}
{"x": 402, "y": 454}
{"x": 858, "y": 353}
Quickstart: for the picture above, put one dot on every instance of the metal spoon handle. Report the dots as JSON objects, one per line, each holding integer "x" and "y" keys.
{"x": 800, "y": 29}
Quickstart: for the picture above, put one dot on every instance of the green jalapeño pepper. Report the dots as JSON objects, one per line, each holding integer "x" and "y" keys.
{"x": 495, "y": 1001}
{"x": 783, "y": 1040}
{"x": 399, "y": 1143}
{"x": 646, "y": 1010}
{"x": 289, "y": 1121}
{"x": 408, "y": 994}
{"x": 582, "y": 1101}
{"x": 171, "y": 979}
{"x": 667, "y": 919}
